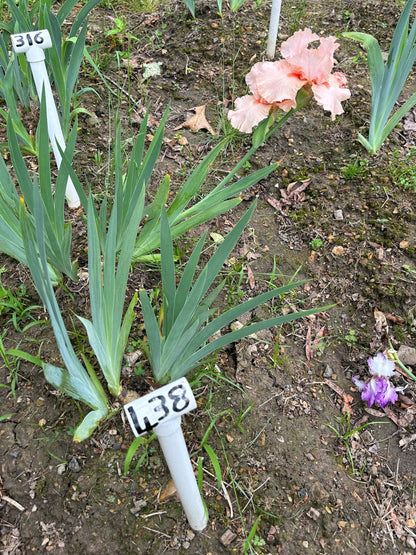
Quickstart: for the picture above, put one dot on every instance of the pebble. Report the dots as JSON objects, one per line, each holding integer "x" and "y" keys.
{"x": 410, "y": 542}
{"x": 314, "y": 514}
{"x": 338, "y": 215}
{"x": 328, "y": 372}
{"x": 138, "y": 505}
{"x": 302, "y": 494}
{"x": 317, "y": 492}
{"x": 374, "y": 471}
{"x": 61, "y": 469}
{"x": 407, "y": 355}
{"x": 74, "y": 465}
{"x": 338, "y": 250}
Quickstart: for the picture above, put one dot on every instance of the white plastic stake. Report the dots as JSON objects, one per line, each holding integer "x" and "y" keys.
{"x": 161, "y": 412}
{"x": 273, "y": 28}
{"x": 33, "y": 45}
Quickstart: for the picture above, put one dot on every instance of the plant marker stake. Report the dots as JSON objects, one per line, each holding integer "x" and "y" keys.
{"x": 33, "y": 45}
{"x": 273, "y": 28}
{"x": 161, "y": 412}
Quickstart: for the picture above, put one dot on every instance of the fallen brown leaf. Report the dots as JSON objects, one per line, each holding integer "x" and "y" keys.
{"x": 168, "y": 491}
{"x": 346, "y": 397}
{"x": 381, "y": 321}
{"x": 250, "y": 276}
{"x": 197, "y": 121}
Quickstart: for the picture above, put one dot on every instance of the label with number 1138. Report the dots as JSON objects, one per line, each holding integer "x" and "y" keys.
{"x": 167, "y": 402}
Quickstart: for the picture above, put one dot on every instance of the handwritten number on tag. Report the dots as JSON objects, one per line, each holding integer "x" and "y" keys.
{"x": 147, "y": 427}
{"x": 150, "y": 412}
{"x": 177, "y": 405}
{"x": 37, "y": 38}
{"x": 161, "y": 406}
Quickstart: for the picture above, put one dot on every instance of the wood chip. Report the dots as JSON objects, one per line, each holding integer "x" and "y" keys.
{"x": 227, "y": 537}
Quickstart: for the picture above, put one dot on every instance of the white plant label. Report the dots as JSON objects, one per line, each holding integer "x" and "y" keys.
{"x": 161, "y": 405}
{"x": 23, "y": 41}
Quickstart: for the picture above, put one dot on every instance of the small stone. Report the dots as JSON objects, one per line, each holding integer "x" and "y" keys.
{"x": 314, "y": 514}
{"x": 338, "y": 215}
{"x": 74, "y": 465}
{"x": 302, "y": 494}
{"x": 138, "y": 505}
{"x": 328, "y": 372}
{"x": 407, "y": 355}
{"x": 317, "y": 492}
{"x": 410, "y": 542}
{"x": 338, "y": 250}
{"x": 374, "y": 471}
{"x": 190, "y": 535}
{"x": 61, "y": 469}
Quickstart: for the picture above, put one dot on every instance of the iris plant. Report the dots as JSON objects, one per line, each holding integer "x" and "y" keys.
{"x": 378, "y": 389}
{"x": 275, "y": 85}
{"x": 388, "y": 79}
{"x": 182, "y": 334}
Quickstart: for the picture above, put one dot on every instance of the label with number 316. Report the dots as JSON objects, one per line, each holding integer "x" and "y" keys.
{"x": 23, "y": 41}
{"x": 167, "y": 402}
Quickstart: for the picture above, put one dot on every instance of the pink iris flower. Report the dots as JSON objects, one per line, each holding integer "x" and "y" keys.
{"x": 274, "y": 85}
{"x": 378, "y": 389}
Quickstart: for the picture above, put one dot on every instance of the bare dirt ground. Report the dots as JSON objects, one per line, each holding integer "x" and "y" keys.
{"x": 276, "y": 405}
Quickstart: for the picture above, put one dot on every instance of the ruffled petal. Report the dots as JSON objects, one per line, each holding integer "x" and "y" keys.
{"x": 249, "y": 111}
{"x": 386, "y": 394}
{"x": 312, "y": 64}
{"x": 275, "y": 82}
{"x": 330, "y": 95}
{"x": 358, "y": 383}
{"x": 381, "y": 366}
{"x": 297, "y": 43}
{"x": 369, "y": 392}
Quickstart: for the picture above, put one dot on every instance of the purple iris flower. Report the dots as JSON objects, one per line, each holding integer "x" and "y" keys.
{"x": 378, "y": 389}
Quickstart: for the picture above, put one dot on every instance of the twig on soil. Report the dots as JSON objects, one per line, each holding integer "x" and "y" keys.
{"x": 253, "y": 492}
{"x": 121, "y": 89}
{"x": 154, "y": 514}
{"x": 157, "y": 532}
{"x": 12, "y": 502}
{"x": 227, "y": 498}
{"x": 406, "y": 440}
{"x": 271, "y": 398}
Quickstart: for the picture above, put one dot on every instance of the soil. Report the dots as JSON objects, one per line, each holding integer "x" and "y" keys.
{"x": 306, "y": 467}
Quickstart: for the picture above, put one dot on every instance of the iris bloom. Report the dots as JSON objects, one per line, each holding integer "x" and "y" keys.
{"x": 378, "y": 389}
{"x": 275, "y": 85}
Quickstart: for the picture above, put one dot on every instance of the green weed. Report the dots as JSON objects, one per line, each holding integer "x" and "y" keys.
{"x": 12, "y": 359}
{"x": 403, "y": 172}
{"x": 350, "y": 338}
{"x": 13, "y": 304}
{"x": 345, "y": 433}
{"x": 358, "y": 167}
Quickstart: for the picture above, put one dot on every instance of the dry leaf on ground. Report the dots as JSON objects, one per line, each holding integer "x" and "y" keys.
{"x": 198, "y": 121}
